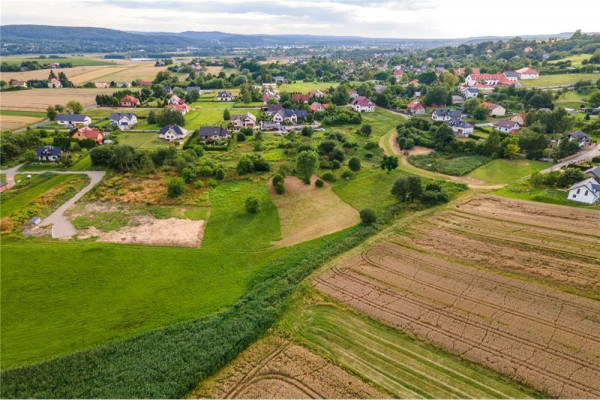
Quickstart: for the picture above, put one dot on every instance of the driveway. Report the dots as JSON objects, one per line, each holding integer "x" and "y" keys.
{"x": 581, "y": 156}
{"x": 61, "y": 226}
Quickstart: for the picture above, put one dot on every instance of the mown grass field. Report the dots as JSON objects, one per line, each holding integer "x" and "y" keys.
{"x": 382, "y": 121}
{"x": 572, "y": 100}
{"x": 102, "y": 292}
{"x": 576, "y": 60}
{"x": 525, "y": 191}
{"x": 305, "y": 87}
{"x": 397, "y": 363}
{"x": 506, "y": 171}
{"x": 558, "y": 79}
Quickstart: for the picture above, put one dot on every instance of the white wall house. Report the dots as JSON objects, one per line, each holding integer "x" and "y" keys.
{"x": 363, "y": 104}
{"x": 587, "y": 191}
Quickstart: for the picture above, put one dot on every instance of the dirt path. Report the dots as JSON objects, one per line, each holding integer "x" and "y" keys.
{"x": 61, "y": 226}
{"x": 389, "y": 144}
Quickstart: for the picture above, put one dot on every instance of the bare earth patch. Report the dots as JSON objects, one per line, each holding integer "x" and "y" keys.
{"x": 276, "y": 369}
{"x": 307, "y": 212}
{"x": 439, "y": 281}
{"x": 420, "y": 151}
{"x": 150, "y": 231}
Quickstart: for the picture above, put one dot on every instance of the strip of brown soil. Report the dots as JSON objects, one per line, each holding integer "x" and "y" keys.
{"x": 276, "y": 369}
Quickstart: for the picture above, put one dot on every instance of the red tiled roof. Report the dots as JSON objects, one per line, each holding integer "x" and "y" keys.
{"x": 413, "y": 105}
{"x": 130, "y": 99}
{"x": 300, "y": 97}
{"x": 362, "y": 101}
{"x": 89, "y": 133}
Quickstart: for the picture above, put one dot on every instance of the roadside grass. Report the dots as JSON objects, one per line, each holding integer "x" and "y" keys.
{"x": 558, "y": 79}
{"x": 447, "y": 164}
{"x": 76, "y": 61}
{"x": 305, "y": 87}
{"x": 505, "y": 171}
{"x": 396, "y": 362}
{"x": 94, "y": 293}
{"x": 525, "y": 191}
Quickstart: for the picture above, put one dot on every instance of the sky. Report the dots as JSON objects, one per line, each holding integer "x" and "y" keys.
{"x": 369, "y": 18}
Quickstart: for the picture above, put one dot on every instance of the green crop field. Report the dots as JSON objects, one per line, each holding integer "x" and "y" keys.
{"x": 506, "y": 171}
{"x": 558, "y": 79}
{"x": 576, "y": 60}
{"x": 102, "y": 292}
{"x": 395, "y": 362}
{"x": 75, "y": 61}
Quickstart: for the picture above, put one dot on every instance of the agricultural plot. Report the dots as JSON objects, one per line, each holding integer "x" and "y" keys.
{"x": 307, "y": 212}
{"x": 305, "y": 87}
{"x": 558, "y": 79}
{"x": 395, "y": 362}
{"x": 504, "y": 171}
{"x": 40, "y": 99}
{"x": 11, "y": 122}
{"x": 274, "y": 368}
{"x": 451, "y": 280}
{"x": 75, "y": 61}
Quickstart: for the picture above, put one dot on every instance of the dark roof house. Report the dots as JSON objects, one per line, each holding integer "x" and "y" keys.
{"x": 212, "y": 131}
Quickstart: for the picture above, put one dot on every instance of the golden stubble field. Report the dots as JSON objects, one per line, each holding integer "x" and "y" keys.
{"x": 40, "y": 99}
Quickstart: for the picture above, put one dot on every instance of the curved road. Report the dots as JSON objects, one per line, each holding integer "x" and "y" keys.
{"x": 61, "y": 226}
{"x": 581, "y": 156}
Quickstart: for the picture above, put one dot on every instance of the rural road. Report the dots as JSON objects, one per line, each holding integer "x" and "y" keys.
{"x": 587, "y": 155}
{"x": 61, "y": 226}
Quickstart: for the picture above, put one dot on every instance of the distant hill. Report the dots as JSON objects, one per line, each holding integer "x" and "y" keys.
{"x": 29, "y": 39}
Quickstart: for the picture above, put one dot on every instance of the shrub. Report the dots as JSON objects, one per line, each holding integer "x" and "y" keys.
{"x": 175, "y": 187}
{"x": 354, "y": 164}
{"x": 241, "y": 137}
{"x": 319, "y": 183}
{"x": 278, "y": 184}
{"x": 329, "y": 176}
{"x": 432, "y": 197}
{"x": 347, "y": 174}
{"x": 252, "y": 205}
{"x": 368, "y": 216}
{"x": 335, "y": 164}
{"x": 188, "y": 174}
{"x": 220, "y": 173}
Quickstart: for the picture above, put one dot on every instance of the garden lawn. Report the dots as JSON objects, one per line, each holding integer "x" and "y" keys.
{"x": 506, "y": 171}
{"x": 305, "y": 87}
{"x": 60, "y": 297}
{"x": 558, "y": 79}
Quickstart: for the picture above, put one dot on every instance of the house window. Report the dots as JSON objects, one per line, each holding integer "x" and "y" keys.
{"x": 586, "y": 193}
{"x": 578, "y": 190}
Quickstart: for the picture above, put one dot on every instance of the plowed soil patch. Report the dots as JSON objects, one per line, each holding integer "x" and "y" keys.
{"x": 276, "y": 369}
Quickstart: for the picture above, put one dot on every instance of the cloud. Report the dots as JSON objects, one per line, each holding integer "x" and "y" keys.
{"x": 371, "y": 18}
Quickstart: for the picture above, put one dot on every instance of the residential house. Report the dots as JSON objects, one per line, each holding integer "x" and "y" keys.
{"x": 380, "y": 88}
{"x": 275, "y": 127}
{"x": 280, "y": 79}
{"x": 414, "y": 82}
{"x": 444, "y": 114}
{"x": 271, "y": 109}
{"x": 102, "y": 85}
{"x": 519, "y": 118}
{"x": 507, "y": 126}
{"x": 172, "y": 132}
{"x": 290, "y": 116}
{"x": 416, "y": 108}
{"x": 316, "y": 106}
{"x": 54, "y": 83}
{"x": 587, "y": 191}
{"x": 511, "y": 75}
{"x": 130, "y": 101}
{"x": 527, "y": 73}
{"x": 317, "y": 93}
{"x": 398, "y": 74}
{"x": 270, "y": 95}
{"x": 88, "y": 133}
{"x": 146, "y": 83}
{"x": 247, "y": 120}
{"x": 225, "y": 96}
{"x": 168, "y": 89}
{"x": 175, "y": 100}
{"x": 49, "y": 153}
{"x": 123, "y": 121}
{"x": 527, "y": 50}
{"x": 461, "y": 128}
{"x": 182, "y": 108}
{"x": 494, "y": 110}
{"x": 469, "y": 92}
{"x": 461, "y": 71}
{"x": 124, "y": 85}
{"x": 300, "y": 98}
{"x": 594, "y": 172}
{"x": 20, "y": 83}
{"x": 3, "y": 186}
{"x": 54, "y": 65}
{"x": 73, "y": 119}
{"x": 579, "y": 136}
{"x": 213, "y": 133}
{"x": 363, "y": 104}
{"x": 353, "y": 94}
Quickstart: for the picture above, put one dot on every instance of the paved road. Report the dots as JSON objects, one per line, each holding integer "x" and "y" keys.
{"x": 582, "y": 156}
{"x": 61, "y": 226}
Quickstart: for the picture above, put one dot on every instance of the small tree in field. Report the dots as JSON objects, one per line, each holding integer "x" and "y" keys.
{"x": 368, "y": 216}
{"x": 226, "y": 115}
{"x": 175, "y": 187}
{"x": 306, "y": 165}
{"x": 252, "y": 205}
{"x": 354, "y": 164}
{"x": 389, "y": 163}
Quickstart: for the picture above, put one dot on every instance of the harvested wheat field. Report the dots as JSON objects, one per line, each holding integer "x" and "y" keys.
{"x": 277, "y": 369}
{"x": 44, "y": 73}
{"x": 10, "y": 122}
{"x": 439, "y": 283}
{"x": 40, "y": 99}
{"x": 306, "y": 212}
{"x": 150, "y": 231}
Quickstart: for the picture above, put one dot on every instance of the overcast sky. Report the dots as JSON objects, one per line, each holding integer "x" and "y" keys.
{"x": 372, "y": 18}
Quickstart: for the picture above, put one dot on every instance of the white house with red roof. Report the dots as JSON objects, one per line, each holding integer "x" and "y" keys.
{"x": 19, "y": 83}
{"x": 363, "y": 104}
{"x": 316, "y": 106}
{"x": 527, "y": 73}
{"x": 129, "y": 101}
{"x": 54, "y": 83}
{"x": 88, "y": 133}
{"x": 416, "y": 108}
{"x": 175, "y": 100}
{"x": 182, "y": 108}
{"x": 353, "y": 94}
{"x": 317, "y": 93}
{"x": 398, "y": 74}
